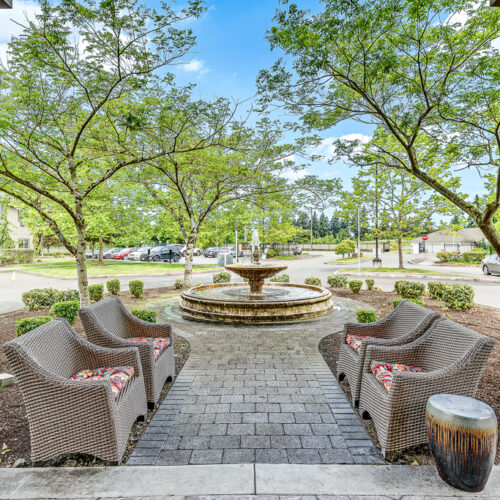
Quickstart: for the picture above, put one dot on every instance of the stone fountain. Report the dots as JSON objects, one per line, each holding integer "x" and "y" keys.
{"x": 255, "y": 302}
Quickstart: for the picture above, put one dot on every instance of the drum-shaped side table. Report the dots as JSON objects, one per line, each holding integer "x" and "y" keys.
{"x": 462, "y": 435}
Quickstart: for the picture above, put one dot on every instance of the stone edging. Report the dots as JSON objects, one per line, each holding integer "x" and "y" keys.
{"x": 105, "y": 276}
{"x": 420, "y": 276}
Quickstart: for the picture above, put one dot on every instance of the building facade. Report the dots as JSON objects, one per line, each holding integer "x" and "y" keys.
{"x": 18, "y": 231}
{"x": 447, "y": 240}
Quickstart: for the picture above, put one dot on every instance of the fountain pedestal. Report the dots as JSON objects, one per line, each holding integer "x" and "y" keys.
{"x": 255, "y": 274}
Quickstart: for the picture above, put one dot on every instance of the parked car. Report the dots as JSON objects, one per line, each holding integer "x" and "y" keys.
{"x": 170, "y": 252}
{"x": 491, "y": 264}
{"x": 138, "y": 254}
{"x": 233, "y": 252}
{"x": 108, "y": 254}
{"x": 123, "y": 253}
{"x": 181, "y": 247}
{"x": 196, "y": 251}
{"x": 211, "y": 252}
{"x": 154, "y": 254}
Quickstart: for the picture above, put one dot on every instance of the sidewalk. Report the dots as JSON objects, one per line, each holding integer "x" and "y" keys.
{"x": 479, "y": 279}
{"x": 239, "y": 482}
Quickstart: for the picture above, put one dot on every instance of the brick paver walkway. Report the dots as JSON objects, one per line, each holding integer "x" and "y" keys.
{"x": 257, "y": 394}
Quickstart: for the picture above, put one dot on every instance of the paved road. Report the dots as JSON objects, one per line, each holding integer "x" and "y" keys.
{"x": 12, "y": 286}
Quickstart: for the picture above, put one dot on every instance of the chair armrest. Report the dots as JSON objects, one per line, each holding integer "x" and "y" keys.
{"x": 103, "y": 356}
{"x": 147, "y": 329}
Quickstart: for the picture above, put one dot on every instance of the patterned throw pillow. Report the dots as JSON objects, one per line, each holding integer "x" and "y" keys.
{"x": 159, "y": 344}
{"x": 384, "y": 371}
{"x": 355, "y": 341}
{"x": 118, "y": 376}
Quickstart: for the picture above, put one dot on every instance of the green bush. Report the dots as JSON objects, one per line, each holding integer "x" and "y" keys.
{"x": 281, "y": 278}
{"x": 17, "y": 256}
{"x": 459, "y": 297}
{"x": 136, "y": 288}
{"x": 337, "y": 281}
{"x": 345, "y": 247}
{"x": 436, "y": 289}
{"x": 223, "y": 277}
{"x": 369, "y": 284}
{"x": 366, "y": 316}
{"x": 67, "y": 310}
{"x": 178, "y": 284}
{"x": 312, "y": 280}
{"x": 113, "y": 286}
{"x": 475, "y": 256}
{"x": 448, "y": 256}
{"x": 68, "y": 296}
{"x": 411, "y": 289}
{"x": 145, "y": 315}
{"x": 272, "y": 252}
{"x": 398, "y": 283}
{"x": 355, "y": 286}
{"x": 96, "y": 292}
{"x": 415, "y": 301}
{"x": 40, "y": 298}
{"x": 27, "y": 324}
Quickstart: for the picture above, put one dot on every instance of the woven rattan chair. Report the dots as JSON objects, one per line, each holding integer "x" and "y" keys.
{"x": 69, "y": 416}
{"x": 109, "y": 324}
{"x": 453, "y": 358}
{"x": 402, "y": 325}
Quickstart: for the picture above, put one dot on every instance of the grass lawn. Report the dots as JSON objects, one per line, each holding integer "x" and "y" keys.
{"x": 396, "y": 270}
{"x": 68, "y": 268}
{"x": 349, "y": 260}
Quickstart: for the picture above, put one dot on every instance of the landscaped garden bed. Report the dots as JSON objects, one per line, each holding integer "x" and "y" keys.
{"x": 14, "y": 431}
{"x": 483, "y": 319}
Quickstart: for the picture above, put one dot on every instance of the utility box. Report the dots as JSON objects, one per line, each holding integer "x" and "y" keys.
{"x": 224, "y": 258}
{"x": 6, "y": 379}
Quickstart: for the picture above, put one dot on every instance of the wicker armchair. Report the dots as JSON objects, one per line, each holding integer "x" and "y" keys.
{"x": 453, "y": 359}
{"x": 69, "y": 416}
{"x": 109, "y": 324}
{"x": 402, "y": 325}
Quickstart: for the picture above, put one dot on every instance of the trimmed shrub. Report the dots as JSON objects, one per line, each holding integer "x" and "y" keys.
{"x": 272, "y": 252}
{"x": 68, "y": 296}
{"x": 459, "y": 297}
{"x": 178, "y": 284}
{"x": 398, "y": 283}
{"x": 17, "y": 256}
{"x": 415, "y": 301}
{"x": 337, "y": 281}
{"x": 475, "y": 256}
{"x": 448, "y": 256}
{"x": 67, "y": 310}
{"x": 355, "y": 286}
{"x": 27, "y": 324}
{"x": 411, "y": 289}
{"x": 113, "y": 286}
{"x": 136, "y": 288}
{"x": 96, "y": 292}
{"x": 281, "y": 278}
{"x": 312, "y": 280}
{"x": 40, "y": 298}
{"x": 223, "y": 277}
{"x": 369, "y": 284}
{"x": 345, "y": 247}
{"x": 145, "y": 315}
{"x": 436, "y": 289}
{"x": 366, "y": 316}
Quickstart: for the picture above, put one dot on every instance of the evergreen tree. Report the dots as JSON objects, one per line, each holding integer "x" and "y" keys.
{"x": 323, "y": 226}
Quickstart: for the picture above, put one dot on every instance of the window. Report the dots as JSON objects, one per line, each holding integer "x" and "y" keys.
{"x": 23, "y": 243}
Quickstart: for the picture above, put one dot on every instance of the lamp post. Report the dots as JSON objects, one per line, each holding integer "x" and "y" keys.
{"x": 376, "y": 262}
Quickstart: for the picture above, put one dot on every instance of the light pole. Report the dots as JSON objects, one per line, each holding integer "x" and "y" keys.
{"x": 359, "y": 247}
{"x": 377, "y": 262}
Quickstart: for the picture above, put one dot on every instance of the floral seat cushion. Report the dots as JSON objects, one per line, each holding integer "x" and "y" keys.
{"x": 118, "y": 376}
{"x": 384, "y": 371}
{"x": 355, "y": 341}
{"x": 159, "y": 344}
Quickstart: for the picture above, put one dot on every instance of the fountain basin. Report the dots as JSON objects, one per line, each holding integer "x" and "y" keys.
{"x": 255, "y": 274}
{"x": 235, "y": 303}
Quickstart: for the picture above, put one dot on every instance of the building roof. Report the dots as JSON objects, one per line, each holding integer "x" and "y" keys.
{"x": 467, "y": 235}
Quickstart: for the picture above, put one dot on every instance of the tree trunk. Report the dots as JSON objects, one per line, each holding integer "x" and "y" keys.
{"x": 81, "y": 262}
{"x": 489, "y": 230}
{"x": 188, "y": 265}
{"x": 400, "y": 252}
{"x": 101, "y": 251}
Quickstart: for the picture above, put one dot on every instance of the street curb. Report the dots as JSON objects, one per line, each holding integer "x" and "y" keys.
{"x": 420, "y": 276}
{"x": 105, "y": 276}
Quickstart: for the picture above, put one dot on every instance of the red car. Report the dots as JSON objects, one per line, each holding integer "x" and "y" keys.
{"x": 121, "y": 255}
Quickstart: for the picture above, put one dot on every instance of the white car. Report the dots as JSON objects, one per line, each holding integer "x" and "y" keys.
{"x": 137, "y": 254}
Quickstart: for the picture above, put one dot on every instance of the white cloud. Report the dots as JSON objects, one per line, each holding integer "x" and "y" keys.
{"x": 195, "y": 66}
{"x": 327, "y": 146}
{"x": 21, "y": 11}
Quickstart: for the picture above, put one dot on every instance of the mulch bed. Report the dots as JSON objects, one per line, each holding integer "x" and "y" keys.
{"x": 14, "y": 431}
{"x": 485, "y": 320}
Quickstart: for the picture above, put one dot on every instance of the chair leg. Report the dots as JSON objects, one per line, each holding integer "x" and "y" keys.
{"x": 151, "y": 406}
{"x": 388, "y": 455}
{"x": 365, "y": 415}
{"x": 356, "y": 403}
{"x": 141, "y": 418}
{"x": 341, "y": 376}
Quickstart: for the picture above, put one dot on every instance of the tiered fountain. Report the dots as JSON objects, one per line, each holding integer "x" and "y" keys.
{"x": 256, "y": 301}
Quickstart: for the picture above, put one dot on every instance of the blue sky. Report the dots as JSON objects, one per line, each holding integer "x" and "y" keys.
{"x": 231, "y": 50}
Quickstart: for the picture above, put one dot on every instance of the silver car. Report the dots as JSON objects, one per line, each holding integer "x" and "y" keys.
{"x": 491, "y": 264}
{"x": 137, "y": 254}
